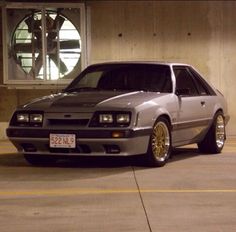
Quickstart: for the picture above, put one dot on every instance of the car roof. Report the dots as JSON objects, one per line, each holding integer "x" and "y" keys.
{"x": 142, "y": 62}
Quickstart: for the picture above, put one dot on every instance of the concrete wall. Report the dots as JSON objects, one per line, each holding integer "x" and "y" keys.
{"x": 200, "y": 33}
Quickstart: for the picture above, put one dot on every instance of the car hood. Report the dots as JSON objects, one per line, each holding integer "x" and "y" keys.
{"x": 87, "y": 101}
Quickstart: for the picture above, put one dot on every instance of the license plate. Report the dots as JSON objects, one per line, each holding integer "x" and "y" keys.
{"x": 62, "y": 140}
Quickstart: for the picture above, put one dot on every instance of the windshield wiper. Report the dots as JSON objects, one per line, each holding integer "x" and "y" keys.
{"x": 81, "y": 89}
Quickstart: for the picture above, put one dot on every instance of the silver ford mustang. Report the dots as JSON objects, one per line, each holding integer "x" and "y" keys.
{"x": 123, "y": 109}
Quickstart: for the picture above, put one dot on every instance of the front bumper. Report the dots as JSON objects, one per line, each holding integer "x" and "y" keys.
{"x": 88, "y": 142}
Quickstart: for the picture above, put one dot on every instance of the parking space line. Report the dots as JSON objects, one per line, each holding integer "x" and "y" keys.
{"x": 64, "y": 192}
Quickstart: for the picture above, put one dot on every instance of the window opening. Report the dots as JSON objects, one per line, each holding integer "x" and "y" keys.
{"x": 185, "y": 81}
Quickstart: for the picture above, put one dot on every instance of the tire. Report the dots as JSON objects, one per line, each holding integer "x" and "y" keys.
{"x": 159, "y": 148}
{"x": 40, "y": 160}
{"x": 214, "y": 140}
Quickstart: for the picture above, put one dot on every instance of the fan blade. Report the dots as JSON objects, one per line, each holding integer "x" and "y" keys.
{"x": 57, "y": 24}
{"x": 31, "y": 23}
{"x": 34, "y": 72}
{"x": 63, "y": 68}
{"x": 58, "y": 21}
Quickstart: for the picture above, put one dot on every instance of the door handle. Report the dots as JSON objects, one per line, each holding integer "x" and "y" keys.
{"x": 203, "y": 103}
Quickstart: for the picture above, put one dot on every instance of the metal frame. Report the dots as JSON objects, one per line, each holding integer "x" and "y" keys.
{"x": 42, "y": 7}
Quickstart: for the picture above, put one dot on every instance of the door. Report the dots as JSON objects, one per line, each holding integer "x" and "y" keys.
{"x": 192, "y": 119}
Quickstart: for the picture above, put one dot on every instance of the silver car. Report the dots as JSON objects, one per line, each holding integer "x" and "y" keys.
{"x": 123, "y": 109}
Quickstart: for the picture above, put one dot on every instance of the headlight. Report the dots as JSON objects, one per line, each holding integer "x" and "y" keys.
{"x": 36, "y": 118}
{"x": 22, "y": 118}
{"x": 123, "y": 118}
{"x": 111, "y": 119}
{"x": 105, "y": 118}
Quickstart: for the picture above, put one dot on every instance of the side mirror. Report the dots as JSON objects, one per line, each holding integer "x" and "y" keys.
{"x": 182, "y": 92}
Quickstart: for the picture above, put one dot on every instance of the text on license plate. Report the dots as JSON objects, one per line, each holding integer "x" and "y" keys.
{"x": 62, "y": 140}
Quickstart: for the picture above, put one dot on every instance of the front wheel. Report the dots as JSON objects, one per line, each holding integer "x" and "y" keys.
{"x": 215, "y": 138}
{"x": 159, "y": 148}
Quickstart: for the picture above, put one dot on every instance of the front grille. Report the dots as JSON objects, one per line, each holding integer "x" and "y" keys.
{"x": 68, "y": 122}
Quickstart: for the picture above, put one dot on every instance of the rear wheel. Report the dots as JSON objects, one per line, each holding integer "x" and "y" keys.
{"x": 160, "y": 143}
{"x": 215, "y": 138}
{"x": 40, "y": 160}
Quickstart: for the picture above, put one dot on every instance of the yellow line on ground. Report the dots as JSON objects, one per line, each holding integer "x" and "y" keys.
{"x": 65, "y": 192}
{"x": 7, "y": 147}
{"x": 8, "y": 152}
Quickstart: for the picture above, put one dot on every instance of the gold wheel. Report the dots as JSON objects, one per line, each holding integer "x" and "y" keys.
{"x": 160, "y": 141}
{"x": 220, "y": 131}
{"x": 214, "y": 140}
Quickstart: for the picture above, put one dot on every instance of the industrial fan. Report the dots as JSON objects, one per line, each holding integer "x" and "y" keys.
{"x": 54, "y": 37}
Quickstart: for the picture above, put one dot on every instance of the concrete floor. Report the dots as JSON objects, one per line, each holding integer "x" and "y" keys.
{"x": 193, "y": 192}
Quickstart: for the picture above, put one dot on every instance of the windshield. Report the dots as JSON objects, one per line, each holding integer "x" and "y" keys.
{"x": 123, "y": 77}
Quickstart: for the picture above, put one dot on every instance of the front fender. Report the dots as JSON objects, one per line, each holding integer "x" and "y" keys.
{"x": 148, "y": 117}
{"x": 148, "y": 112}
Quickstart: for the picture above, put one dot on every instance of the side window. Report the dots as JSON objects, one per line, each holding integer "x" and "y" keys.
{"x": 184, "y": 81}
{"x": 202, "y": 86}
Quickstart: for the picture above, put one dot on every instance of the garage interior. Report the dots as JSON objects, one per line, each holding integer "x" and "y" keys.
{"x": 193, "y": 192}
